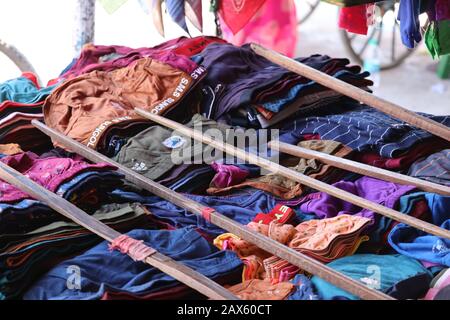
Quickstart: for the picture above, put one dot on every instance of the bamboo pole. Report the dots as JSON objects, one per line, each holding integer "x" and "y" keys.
{"x": 162, "y": 262}
{"x": 297, "y": 176}
{"x": 394, "y": 110}
{"x": 359, "y": 168}
{"x": 284, "y": 252}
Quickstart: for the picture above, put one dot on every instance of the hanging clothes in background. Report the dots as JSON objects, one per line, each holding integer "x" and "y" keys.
{"x": 178, "y": 11}
{"x": 237, "y": 13}
{"x": 408, "y": 15}
{"x": 351, "y": 3}
{"x": 175, "y": 8}
{"x": 193, "y": 9}
{"x": 274, "y": 25}
{"x": 354, "y": 19}
{"x": 437, "y": 38}
{"x": 438, "y": 33}
{"x": 112, "y": 6}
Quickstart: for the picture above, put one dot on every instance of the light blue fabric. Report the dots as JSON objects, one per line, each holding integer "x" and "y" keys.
{"x": 417, "y": 244}
{"x": 377, "y": 271}
{"x": 23, "y": 90}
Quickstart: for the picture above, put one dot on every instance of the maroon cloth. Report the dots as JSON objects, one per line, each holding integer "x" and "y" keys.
{"x": 440, "y": 11}
{"x": 406, "y": 160}
{"x": 237, "y": 13}
{"x": 175, "y": 53}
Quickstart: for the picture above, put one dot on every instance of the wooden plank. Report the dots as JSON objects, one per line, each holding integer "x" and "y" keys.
{"x": 297, "y": 176}
{"x": 359, "y": 168}
{"x": 164, "y": 263}
{"x": 356, "y": 93}
{"x": 296, "y": 258}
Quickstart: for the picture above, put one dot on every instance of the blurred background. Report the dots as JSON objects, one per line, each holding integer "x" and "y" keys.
{"x": 44, "y": 32}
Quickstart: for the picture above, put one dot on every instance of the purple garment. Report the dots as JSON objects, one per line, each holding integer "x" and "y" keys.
{"x": 175, "y": 8}
{"x": 440, "y": 11}
{"x": 382, "y": 192}
{"x": 227, "y": 175}
{"x": 237, "y": 75}
{"x": 428, "y": 264}
{"x": 48, "y": 172}
{"x": 108, "y": 58}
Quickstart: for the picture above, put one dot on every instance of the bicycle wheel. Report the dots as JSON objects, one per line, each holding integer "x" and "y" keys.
{"x": 15, "y": 56}
{"x": 393, "y": 51}
{"x": 305, "y": 8}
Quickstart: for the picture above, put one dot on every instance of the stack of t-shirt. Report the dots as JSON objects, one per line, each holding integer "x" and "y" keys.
{"x": 135, "y": 278}
{"x": 21, "y": 101}
{"x": 96, "y": 105}
{"x": 248, "y": 90}
{"x": 324, "y": 240}
{"x": 27, "y": 255}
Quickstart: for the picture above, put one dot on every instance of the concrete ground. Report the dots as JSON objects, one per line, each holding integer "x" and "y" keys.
{"x": 42, "y": 30}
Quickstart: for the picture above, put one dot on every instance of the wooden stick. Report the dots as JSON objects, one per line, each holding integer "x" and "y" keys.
{"x": 164, "y": 263}
{"x": 359, "y": 168}
{"x": 296, "y": 258}
{"x": 356, "y": 93}
{"x": 297, "y": 176}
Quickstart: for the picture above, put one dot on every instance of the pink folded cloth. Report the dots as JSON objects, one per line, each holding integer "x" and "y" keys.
{"x": 227, "y": 175}
{"x": 440, "y": 284}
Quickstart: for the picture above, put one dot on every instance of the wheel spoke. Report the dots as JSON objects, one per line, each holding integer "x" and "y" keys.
{"x": 393, "y": 43}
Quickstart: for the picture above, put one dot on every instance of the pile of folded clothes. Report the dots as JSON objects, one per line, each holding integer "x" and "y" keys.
{"x": 21, "y": 101}
{"x": 210, "y": 85}
{"x": 325, "y": 240}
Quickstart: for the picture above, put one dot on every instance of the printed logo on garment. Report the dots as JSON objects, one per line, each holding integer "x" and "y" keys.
{"x": 174, "y": 142}
{"x": 199, "y": 71}
{"x": 139, "y": 166}
{"x": 74, "y": 279}
{"x": 439, "y": 247}
{"x": 374, "y": 280}
{"x": 182, "y": 86}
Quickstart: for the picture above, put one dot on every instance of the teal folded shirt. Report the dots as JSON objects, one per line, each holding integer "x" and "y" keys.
{"x": 377, "y": 271}
{"x": 23, "y": 90}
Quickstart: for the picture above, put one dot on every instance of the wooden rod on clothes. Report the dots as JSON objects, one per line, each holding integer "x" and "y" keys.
{"x": 280, "y": 250}
{"x": 360, "y": 168}
{"x": 297, "y": 176}
{"x": 394, "y": 110}
{"x": 182, "y": 273}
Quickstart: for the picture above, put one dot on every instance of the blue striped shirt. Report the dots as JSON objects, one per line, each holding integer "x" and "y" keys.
{"x": 360, "y": 127}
